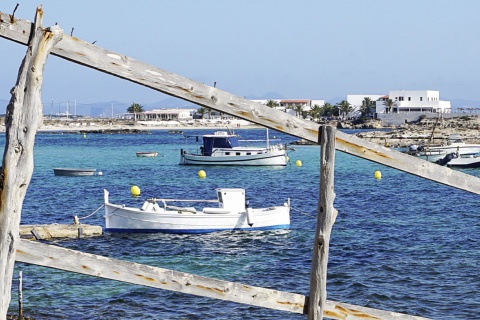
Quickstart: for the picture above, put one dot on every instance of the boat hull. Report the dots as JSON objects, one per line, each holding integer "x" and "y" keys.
{"x": 465, "y": 162}
{"x": 147, "y": 154}
{"x": 123, "y": 219}
{"x": 74, "y": 172}
{"x": 271, "y": 158}
{"x": 436, "y": 153}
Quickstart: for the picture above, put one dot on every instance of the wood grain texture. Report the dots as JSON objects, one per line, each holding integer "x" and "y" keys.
{"x": 23, "y": 118}
{"x": 89, "y": 264}
{"x": 326, "y": 215}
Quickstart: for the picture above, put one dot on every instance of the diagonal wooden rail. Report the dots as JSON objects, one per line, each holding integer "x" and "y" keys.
{"x": 140, "y": 274}
{"x": 92, "y": 56}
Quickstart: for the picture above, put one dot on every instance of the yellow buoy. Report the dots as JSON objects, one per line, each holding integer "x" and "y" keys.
{"x": 298, "y": 163}
{"x": 84, "y": 135}
{"x": 202, "y": 174}
{"x": 378, "y": 175}
{"x": 135, "y": 191}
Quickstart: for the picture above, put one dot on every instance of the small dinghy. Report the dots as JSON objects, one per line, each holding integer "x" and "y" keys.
{"x": 74, "y": 172}
{"x": 147, "y": 154}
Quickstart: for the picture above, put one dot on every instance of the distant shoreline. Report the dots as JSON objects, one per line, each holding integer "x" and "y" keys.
{"x": 399, "y": 136}
{"x": 137, "y": 128}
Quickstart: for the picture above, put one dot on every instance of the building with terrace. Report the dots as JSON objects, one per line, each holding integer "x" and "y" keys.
{"x": 406, "y": 101}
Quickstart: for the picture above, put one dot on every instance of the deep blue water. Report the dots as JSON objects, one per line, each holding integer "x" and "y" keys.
{"x": 401, "y": 243}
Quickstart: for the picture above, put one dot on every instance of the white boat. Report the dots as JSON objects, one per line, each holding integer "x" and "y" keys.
{"x": 74, "y": 172}
{"x": 232, "y": 213}
{"x": 464, "y": 161}
{"x": 455, "y": 145}
{"x": 223, "y": 148}
{"x": 147, "y": 154}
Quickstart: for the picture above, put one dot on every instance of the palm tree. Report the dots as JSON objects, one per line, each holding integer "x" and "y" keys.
{"x": 298, "y": 108}
{"x": 365, "y": 109}
{"x": 328, "y": 110}
{"x": 135, "y": 107}
{"x": 389, "y": 103}
{"x": 345, "y": 108}
{"x": 316, "y": 112}
{"x": 201, "y": 111}
{"x": 272, "y": 103}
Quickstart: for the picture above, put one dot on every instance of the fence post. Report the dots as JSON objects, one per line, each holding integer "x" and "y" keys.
{"x": 22, "y": 120}
{"x": 326, "y": 215}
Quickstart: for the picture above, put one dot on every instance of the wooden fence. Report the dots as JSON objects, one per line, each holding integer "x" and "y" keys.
{"x": 21, "y": 124}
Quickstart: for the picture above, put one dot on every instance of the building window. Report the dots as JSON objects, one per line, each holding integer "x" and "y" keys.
{"x": 421, "y": 98}
{"x": 409, "y": 99}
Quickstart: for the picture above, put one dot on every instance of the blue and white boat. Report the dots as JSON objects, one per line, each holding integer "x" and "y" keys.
{"x": 461, "y": 161}
{"x": 232, "y": 213}
{"x": 455, "y": 144}
{"x": 223, "y": 148}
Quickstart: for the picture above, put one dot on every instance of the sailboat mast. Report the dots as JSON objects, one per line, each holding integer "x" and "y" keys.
{"x": 268, "y": 140}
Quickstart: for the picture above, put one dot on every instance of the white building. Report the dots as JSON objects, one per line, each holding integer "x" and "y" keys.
{"x": 163, "y": 115}
{"x": 414, "y": 101}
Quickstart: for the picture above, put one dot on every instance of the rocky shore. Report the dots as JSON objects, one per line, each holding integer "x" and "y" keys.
{"x": 424, "y": 131}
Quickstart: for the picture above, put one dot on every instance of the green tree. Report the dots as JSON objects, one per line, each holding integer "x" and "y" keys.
{"x": 328, "y": 110}
{"x": 366, "y": 107}
{"x": 201, "y": 111}
{"x": 389, "y": 104}
{"x": 344, "y": 108}
{"x": 134, "y": 108}
{"x": 298, "y": 108}
{"x": 272, "y": 103}
{"x": 316, "y": 112}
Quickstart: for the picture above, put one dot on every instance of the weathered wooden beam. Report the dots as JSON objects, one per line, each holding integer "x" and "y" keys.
{"x": 24, "y": 117}
{"x": 92, "y": 56}
{"x": 326, "y": 215}
{"x": 55, "y": 230}
{"x": 50, "y": 256}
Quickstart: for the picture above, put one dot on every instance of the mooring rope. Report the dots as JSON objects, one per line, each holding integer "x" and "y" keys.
{"x": 304, "y": 213}
{"x": 91, "y": 214}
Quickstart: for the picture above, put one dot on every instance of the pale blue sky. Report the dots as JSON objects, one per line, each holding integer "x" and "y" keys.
{"x": 300, "y": 49}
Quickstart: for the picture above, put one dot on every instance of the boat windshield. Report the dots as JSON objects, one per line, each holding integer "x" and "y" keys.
{"x": 218, "y": 142}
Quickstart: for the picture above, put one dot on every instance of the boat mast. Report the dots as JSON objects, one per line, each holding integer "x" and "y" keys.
{"x": 268, "y": 141}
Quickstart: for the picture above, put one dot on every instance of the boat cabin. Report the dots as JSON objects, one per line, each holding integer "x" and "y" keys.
{"x": 232, "y": 200}
{"x": 218, "y": 140}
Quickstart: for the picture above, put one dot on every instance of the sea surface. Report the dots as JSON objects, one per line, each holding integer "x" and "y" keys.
{"x": 399, "y": 243}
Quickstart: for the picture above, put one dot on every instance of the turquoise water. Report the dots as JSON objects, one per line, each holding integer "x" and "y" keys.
{"x": 401, "y": 243}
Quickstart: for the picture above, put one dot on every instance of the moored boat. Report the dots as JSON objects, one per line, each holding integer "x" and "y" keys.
{"x": 232, "y": 213}
{"x": 223, "y": 148}
{"x": 462, "y": 161}
{"x": 147, "y": 154}
{"x": 455, "y": 144}
{"x": 74, "y": 172}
